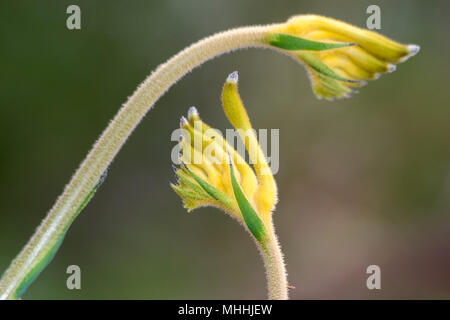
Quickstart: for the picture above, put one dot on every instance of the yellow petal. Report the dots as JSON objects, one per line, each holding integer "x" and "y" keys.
{"x": 266, "y": 194}
{"x": 372, "y": 54}
{"x": 378, "y": 45}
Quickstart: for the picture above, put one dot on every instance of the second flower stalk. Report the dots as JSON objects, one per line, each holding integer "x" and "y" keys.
{"x": 213, "y": 173}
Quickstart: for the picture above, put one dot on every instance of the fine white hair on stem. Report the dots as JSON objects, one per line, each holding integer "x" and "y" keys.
{"x": 52, "y": 229}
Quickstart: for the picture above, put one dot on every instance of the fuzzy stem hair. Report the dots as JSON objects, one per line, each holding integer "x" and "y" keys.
{"x": 40, "y": 249}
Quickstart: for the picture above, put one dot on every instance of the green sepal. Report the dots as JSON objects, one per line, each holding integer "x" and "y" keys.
{"x": 330, "y": 88}
{"x": 188, "y": 194}
{"x": 317, "y": 65}
{"x": 184, "y": 178}
{"x": 215, "y": 193}
{"x": 251, "y": 218}
{"x": 288, "y": 42}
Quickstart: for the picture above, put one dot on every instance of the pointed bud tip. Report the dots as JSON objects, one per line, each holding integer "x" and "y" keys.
{"x": 413, "y": 49}
{"x": 193, "y": 113}
{"x": 183, "y": 122}
{"x": 233, "y": 77}
{"x": 391, "y": 68}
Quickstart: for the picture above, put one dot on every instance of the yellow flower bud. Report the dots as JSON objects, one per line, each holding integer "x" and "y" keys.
{"x": 339, "y": 56}
{"x": 204, "y": 174}
{"x": 266, "y": 194}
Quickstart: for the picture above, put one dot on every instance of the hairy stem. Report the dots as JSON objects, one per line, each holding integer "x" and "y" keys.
{"x": 277, "y": 283}
{"x": 40, "y": 249}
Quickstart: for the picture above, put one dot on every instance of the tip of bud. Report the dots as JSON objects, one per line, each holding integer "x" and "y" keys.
{"x": 413, "y": 49}
{"x": 233, "y": 77}
{"x": 391, "y": 68}
{"x": 183, "y": 122}
{"x": 193, "y": 113}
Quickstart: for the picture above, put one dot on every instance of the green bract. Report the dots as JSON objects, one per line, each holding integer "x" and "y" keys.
{"x": 287, "y": 42}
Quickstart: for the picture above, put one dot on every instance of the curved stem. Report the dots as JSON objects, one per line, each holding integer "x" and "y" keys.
{"x": 38, "y": 252}
{"x": 276, "y": 274}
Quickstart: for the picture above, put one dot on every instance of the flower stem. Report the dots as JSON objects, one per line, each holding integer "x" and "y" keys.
{"x": 276, "y": 275}
{"x": 40, "y": 249}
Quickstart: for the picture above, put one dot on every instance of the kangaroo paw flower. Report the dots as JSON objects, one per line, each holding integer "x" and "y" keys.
{"x": 339, "y": 57}
{"x": 213, "y": 173}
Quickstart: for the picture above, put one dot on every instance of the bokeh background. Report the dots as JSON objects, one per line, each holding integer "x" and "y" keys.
{"x": 361, "y": 181}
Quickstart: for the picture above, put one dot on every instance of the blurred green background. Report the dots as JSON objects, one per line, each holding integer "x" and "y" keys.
{"x": 361, "y": 181}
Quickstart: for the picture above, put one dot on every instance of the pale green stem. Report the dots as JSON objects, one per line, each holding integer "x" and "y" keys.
{"x": 43, "y": 244}
{"x": 276, "y": 275}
